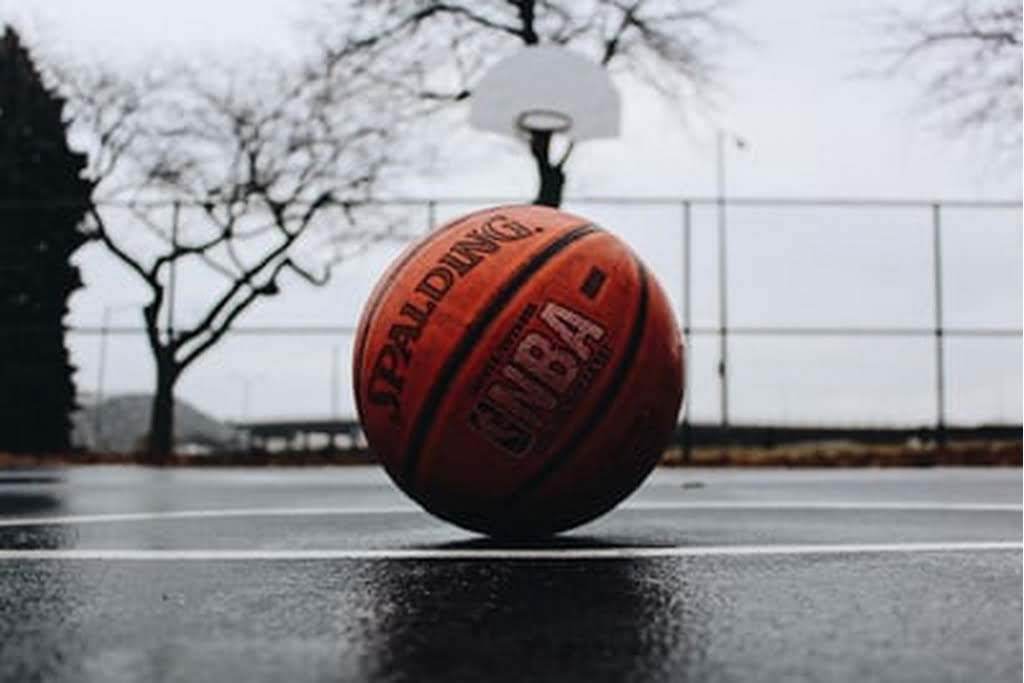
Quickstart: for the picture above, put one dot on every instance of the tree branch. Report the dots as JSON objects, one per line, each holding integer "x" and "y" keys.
{"x": 104, "y": 235}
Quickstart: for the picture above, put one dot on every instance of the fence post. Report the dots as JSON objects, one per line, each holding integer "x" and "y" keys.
{"x": 687, "y": 325}
{"x": 431, "y": 214}
{"x": 940, "y": 364}
{"x": 723, "y": 318}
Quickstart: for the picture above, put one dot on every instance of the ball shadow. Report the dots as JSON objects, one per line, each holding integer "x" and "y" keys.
{"x": 532, "y": 619}
{"x": 559, "y": 542}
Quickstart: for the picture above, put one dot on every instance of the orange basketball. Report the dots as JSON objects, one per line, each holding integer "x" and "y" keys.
{"x": 518, "y": 371}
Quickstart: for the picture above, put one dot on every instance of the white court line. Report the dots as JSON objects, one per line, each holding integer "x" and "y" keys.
{"x": 504, "y": 554}
{"x": 824, "y": 505}
{"x": 205, "y": 514}
{"x": 410, "y": 509}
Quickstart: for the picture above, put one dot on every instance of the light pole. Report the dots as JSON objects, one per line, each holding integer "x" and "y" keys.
{"x": 723, "y": 137}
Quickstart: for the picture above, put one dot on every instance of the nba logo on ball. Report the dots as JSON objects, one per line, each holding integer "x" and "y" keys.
{"x": 518, "y": 371}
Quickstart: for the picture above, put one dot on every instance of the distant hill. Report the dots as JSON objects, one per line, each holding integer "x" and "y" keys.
{"x": 119, "y": 424}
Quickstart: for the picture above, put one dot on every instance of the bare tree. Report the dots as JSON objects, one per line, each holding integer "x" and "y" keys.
{"x": 968, "y": 56}
{"x": 671, "y": 45}
{"x": 255, "y": 175}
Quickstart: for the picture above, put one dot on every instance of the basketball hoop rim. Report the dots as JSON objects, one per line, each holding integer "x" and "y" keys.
{"x": 543, "y": 121}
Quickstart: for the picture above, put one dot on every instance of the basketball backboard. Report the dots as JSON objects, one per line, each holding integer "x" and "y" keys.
{"x": 546, "y": 88}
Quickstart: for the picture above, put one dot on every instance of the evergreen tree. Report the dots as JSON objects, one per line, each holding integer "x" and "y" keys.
{"x": 43, "y": 199}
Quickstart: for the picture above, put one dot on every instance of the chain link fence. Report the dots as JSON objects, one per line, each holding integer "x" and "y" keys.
{"x": 825, "y": 315}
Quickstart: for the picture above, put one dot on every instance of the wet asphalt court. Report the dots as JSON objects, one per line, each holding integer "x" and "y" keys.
{"x": 112, "y": 574}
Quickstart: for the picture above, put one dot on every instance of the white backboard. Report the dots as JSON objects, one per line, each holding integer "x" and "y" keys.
{"x": 552, "y": 83}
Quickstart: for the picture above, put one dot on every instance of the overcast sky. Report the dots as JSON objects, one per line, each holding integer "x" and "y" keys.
{"x": 815, "y": 129}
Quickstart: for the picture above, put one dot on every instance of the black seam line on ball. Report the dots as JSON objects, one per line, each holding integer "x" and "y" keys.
{"x": 434, "y": 233}
{"x": 469, "y": 340}
{"x": 636, "y": 333}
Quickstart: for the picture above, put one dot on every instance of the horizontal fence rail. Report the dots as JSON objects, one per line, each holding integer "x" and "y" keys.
{"x": 739, "y": 330}
{"x": 497, "y": 200}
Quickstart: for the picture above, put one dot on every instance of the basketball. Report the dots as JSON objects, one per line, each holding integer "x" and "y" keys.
{"x": 518, "y": 371}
